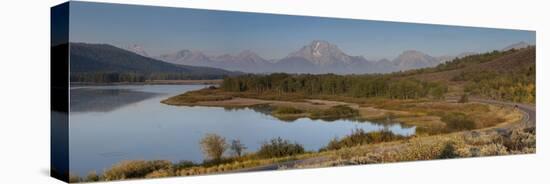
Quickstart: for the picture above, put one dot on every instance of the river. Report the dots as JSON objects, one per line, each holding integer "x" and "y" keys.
{"x": 109, "y": 124}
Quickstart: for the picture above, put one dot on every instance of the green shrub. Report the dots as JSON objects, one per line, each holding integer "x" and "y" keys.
{"x": 279, "y": 148}
{"x": 448, "y": 151}
{"x": 438, "y": 91}
{"x": 360, "y": 137}
{"x": 456, "y": 121}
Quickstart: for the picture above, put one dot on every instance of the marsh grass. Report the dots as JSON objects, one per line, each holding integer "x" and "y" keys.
{"x": 206, "y": 94}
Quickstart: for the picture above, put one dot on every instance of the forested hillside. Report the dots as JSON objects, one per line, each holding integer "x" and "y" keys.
{"x": 500, "y": 75}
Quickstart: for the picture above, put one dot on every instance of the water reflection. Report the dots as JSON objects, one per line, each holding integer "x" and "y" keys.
{"x": 267, "y": 109}
{"x": 105, "y": 100}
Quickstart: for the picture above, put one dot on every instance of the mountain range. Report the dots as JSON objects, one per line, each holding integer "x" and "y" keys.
{"x": 95, "y": 62}
{"x": 316, "y": 57}
{"x": 103, "y": 58}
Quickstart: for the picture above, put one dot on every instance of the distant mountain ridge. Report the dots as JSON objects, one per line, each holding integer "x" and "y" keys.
{"x": 244, "y": 61}
{"x": 94, "y": 59}
{"x": 412, "y": 59}
{"x": 318, "y": 56}
{"x": 106, "y": 62}
{"x": 519, "y": 45}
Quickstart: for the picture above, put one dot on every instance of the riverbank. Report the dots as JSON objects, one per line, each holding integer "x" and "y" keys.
{"x": 428, "y": 116}
{"x": 464, "y": 144}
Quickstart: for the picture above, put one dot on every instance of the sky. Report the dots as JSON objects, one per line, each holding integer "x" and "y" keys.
{"x": 162, "y": 30}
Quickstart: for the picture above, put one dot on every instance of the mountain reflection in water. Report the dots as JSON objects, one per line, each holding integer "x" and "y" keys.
{"x": 105, "y": 100}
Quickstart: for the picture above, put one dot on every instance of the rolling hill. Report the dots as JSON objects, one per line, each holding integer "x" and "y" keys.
{"x": 500, "y": 62}
{"x": 500, "y": 75}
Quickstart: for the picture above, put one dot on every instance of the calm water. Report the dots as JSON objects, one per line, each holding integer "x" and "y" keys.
{"x": 114, "y": 123}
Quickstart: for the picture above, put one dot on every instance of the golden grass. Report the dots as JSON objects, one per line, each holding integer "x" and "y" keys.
{"x": 464, "y": 144}
{"x": 246, "y": 163}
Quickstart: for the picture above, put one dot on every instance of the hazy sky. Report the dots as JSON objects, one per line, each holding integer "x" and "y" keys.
{"x": 161, "y": 30}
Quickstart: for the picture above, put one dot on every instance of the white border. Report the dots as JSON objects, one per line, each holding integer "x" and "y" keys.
{"x": 24, "y": 97}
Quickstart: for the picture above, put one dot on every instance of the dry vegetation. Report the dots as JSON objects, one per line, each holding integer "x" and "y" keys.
{"x": 358, "y": 148}
{"x": 456, "y": 145}
{"x": 430, "y": 116}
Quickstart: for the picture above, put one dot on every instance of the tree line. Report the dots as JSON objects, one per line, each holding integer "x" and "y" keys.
{"x": 362, "y": 86}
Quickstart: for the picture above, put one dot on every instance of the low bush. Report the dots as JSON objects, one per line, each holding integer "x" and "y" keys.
{"x": 449, "y": 151}
{"x": 519, "y": 140}
{"x": 279, "y": 147}
{"x": 360, "y": 137}
{"x": 493, "y": 149}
